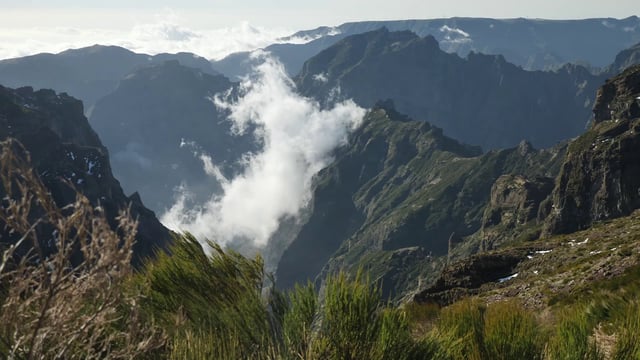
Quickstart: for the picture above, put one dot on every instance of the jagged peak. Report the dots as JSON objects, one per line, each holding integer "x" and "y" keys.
{"x": 619, "y": 97}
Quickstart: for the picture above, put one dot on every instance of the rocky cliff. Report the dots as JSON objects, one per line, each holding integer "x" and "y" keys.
{"x": 600, "y": 178}
{"x": 64, "y": 149}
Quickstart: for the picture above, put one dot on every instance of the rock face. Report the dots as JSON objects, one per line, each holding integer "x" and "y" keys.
{"x": 161, "y": 125}
{"x": 514, "y": 205}
{"x": 88, "y": 73}
{"x": 480, "y": 100}
{"x": 600, "y": 178}
{"x": 466, "y": 276}
{"x": 63, "y": 147}
{"x": 399, "y": 185}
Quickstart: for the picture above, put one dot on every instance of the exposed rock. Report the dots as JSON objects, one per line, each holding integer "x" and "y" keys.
{"x": 64, "y": 149}
{"x": 464, "y": 277}
{"x": 618, "y": 97}
{"x": 513, "y": 207}
{"x": 600, "y": 178}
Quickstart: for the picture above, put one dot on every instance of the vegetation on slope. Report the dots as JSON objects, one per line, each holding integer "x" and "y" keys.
{"x": 192, "y": 304}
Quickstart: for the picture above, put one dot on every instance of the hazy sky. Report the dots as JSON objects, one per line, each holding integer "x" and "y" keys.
{"x": 215, "y": 28}
{"x": 293, "y": 14}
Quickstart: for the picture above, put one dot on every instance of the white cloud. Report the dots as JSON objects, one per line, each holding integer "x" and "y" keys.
{"x": 298, "y": 138}
{"x": 165, "y": 34}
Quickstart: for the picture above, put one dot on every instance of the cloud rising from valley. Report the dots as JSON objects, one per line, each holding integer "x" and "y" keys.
{"x": 298, "y": 139}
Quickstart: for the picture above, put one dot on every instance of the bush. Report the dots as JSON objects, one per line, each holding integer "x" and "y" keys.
{"x": 213, "y": 300}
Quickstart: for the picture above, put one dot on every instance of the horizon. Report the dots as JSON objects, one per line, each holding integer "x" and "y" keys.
{"x": 214, "y": 32}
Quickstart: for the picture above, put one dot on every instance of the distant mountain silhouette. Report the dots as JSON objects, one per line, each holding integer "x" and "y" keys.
{"x": 533, "y": 44}
{"x": 87, "y": 73}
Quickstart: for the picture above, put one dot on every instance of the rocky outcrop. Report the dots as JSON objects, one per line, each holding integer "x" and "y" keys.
{"x": 600, "y": 178}
{"x": 465, "y": 277}
{"x": 514, "y": 207}
{"x": 65, "y": 151}
{"x": 618, "y": 99}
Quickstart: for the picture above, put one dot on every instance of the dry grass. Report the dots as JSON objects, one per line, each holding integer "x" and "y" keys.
{"x": 62, "y": 277}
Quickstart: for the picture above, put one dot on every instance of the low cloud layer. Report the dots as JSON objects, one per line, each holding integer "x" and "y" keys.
{"x": 298, "y": 139}
{"x": 165, "y": 34}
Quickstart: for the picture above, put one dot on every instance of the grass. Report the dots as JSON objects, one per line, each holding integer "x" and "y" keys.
{"x": 195, "y": 304}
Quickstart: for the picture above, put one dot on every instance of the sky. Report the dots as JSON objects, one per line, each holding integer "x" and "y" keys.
{"x": 216, "y": 28}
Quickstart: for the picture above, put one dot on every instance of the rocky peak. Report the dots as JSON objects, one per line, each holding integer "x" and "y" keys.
{"x": 68, "y": 157}
{"x": 600, "y": 177}
{"x": 59, "y": 112}
{"x": 619, "y": 98}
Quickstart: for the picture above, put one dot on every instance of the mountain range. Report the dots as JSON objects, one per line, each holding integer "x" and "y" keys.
{"x": 533, "y": 44}
{"x": 88, "y": 73}
{"x": 467, "y": 147}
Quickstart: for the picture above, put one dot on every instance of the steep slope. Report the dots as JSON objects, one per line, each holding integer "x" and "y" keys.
{"x": 594, "y": 203}
{"x": 600, "y": 178}
{"x": 396, "y": 198}
{"x": 63, "y": 147}
{"x": 87, "y": 73}
{"x": 481, "y": 100}
{"x": 533, "y": 44}
{"x": 624, "y": 59}
{"x": 159, "y": 123}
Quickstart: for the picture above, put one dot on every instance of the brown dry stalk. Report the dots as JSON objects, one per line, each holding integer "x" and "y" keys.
{"x": 55, "y": 307}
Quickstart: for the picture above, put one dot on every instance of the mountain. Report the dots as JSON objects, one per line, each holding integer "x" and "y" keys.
{"x": 533, "y": 44}
{"x": 590, "y": 232}
{"x": 64, "y": 148}
{"x": 397, "y": 197}
{"x": 159, "y": 123}
{"x": 427, "y": 215}
{"x": 86, "y": 73}
{"x": 481, "y": 99}
{"x": 626, "y": 58}
{"x": 600, "y": 178}
{"x": 292, "y": 56}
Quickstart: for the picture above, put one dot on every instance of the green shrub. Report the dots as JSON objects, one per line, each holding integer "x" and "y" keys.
{"x": 350, "y": 317}
{"x": 510, "y": 332}
{"x": 217, "y": 297}
{"x": 572, "y": 338}
{"x": 461, "y": 330}
{"x": 298, "y": 321}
